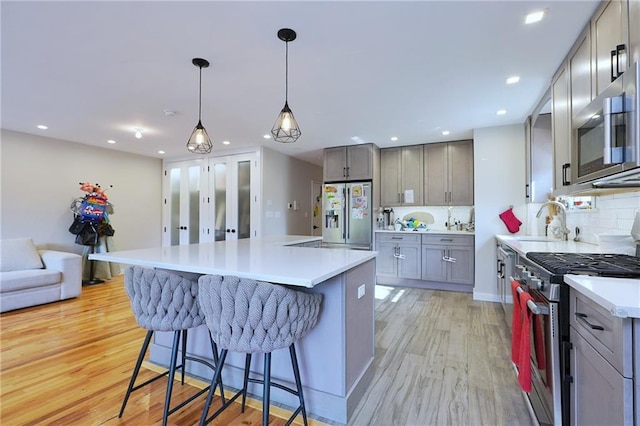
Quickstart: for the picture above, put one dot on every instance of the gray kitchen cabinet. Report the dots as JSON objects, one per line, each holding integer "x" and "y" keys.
{"x": 602, "y": 388}
{"x": 448, "y": 174}
{"x": 580, "y": 72}
{"x": 609, "y": 27}
{"x": 398, "y": 255}
{"x": 401, "y": 171}
{"x": 448, "y": 258}
{"x": 539, "y": 152}
{"x": 349, "y": 163}
{"x": 561, "y": 127}
{"x": 634, "y": 31}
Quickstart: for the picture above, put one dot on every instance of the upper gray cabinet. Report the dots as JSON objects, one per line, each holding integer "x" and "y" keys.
{"x": 634, "y": 31}
{"x": 448, "y": 174}
{"x": 401, "y": 176}
{"x": 539, "y": 152}
{"x": 349, "y": 163}
{"x": 561, "y": 125}
{"x": 580, "y": 72}
{"x": 610, "y": 46}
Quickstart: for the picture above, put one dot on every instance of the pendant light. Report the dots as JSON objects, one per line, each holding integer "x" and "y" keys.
{"x": 199, "y": 141}
{"x": 286, "y": 129}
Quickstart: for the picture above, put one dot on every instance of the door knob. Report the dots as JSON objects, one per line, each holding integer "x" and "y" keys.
{"x": 315, "y": 227}
{"x": 228, "y": 230}
{"x": 233, "y": 231}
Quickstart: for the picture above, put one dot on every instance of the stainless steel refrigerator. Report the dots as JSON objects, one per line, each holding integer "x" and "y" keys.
{"x": 347, "y": 215}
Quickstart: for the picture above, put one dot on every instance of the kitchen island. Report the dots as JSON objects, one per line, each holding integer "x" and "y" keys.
{"x": 335, "y": 358}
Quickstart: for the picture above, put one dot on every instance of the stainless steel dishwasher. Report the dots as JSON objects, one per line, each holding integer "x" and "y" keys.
{"x": 505, "y": 265}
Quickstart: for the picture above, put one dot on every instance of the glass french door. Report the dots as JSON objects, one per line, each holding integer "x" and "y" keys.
{"x": 233, "y": 207}
{"x": 184, "y": 185}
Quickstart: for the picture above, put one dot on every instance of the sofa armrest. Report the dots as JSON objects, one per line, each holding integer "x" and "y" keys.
{"x": 70, "y": 265}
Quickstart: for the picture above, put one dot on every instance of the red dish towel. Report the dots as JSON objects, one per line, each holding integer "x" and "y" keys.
{"x": 509, "y": 219}
{"x": 524, "y": 364}
{"x": 516, "y": 323}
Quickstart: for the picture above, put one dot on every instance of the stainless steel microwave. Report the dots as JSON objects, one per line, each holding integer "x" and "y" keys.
{"x": 605, "y": 137}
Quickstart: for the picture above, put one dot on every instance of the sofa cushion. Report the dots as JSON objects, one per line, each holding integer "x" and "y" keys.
{"x": 19, "y": 254}
{"x": 20, "y": 280}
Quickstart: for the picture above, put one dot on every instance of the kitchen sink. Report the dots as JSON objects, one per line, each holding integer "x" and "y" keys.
{"x": 534, "y": 239}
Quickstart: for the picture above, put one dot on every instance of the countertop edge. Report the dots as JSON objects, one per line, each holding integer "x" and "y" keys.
{"x": 624, "y": 304}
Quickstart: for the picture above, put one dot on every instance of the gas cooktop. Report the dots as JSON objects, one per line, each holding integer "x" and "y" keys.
{"x": 604, "y": 265}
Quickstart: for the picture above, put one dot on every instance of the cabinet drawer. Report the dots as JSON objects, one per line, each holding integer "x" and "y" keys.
{"x": 398, "y": 237}
{"x": 609, "y": 335}
{"x": 446, "y": 239}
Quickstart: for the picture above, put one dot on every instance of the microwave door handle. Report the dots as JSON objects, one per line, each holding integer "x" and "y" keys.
{"x": 614, "y": 59}
{"x": 621, "y": 59}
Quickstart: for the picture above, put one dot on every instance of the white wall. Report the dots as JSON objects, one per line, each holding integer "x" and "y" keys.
{"x": 40, "y": 177}
{"x": 285, "y": 180}
{"x": 499, "y": 181}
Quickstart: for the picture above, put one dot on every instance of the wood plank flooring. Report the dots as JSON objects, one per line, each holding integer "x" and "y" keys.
{"x": 441, "y": 358}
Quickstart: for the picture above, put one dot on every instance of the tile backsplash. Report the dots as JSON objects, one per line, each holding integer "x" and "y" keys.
{"x": 612, "y": 214}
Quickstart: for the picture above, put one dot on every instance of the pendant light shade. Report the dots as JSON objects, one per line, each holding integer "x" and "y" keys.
{"x": 199, "y": 141}
{"x": 286, "y": 129}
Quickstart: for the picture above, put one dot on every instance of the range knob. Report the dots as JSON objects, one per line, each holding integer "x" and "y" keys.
{"x": 536, "y": 283}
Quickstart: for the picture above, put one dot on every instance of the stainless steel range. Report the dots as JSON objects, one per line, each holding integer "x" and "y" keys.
{"x": 541, "y": 275}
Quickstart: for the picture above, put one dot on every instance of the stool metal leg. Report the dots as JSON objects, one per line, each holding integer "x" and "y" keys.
{"x": 136, "y": 370}
{"x": 296, "y": 374}
{"x": 172, "y": 372}
{"x": 245, "y": 383}
{"x": 266, "y": 389}
{"x": 184, "y": 355}
{"x": 214, "y": 351}
{"x": 212, "y": 388}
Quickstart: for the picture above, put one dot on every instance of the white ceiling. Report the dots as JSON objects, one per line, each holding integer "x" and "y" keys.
{"x": 358, "y": 71}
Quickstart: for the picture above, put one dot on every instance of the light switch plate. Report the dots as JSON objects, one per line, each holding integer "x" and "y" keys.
{"x": 361, "y": 291}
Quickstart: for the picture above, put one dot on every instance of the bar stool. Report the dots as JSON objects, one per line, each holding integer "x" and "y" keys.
{"x": 248, "y": 316}
{"x": 164, "y": 301}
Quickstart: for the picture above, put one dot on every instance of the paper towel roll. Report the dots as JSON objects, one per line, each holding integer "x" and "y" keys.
{"x": 635, "y": 228}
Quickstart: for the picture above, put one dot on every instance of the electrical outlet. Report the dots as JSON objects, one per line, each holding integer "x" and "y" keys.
{"x": 361, "y": 291}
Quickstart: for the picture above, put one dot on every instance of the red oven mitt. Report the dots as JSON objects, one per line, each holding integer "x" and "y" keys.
{"x": 524, "y": 366}
{"x": 516, "y": 323}
{"x": 509, "y": 219}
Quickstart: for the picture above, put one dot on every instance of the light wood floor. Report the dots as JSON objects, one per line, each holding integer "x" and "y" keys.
{"x": 441, "y": 358}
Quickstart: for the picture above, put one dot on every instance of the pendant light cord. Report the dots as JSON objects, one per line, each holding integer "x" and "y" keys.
{"x": 200, "y": 98}
{"x": 286, "y": 73}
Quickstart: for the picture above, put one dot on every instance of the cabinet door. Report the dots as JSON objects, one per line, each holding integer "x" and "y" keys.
{"x": 634, "y": 31}
{"x": 359, "y": 162}
{"x": 335, "y": 164}
{"x": 390, "y": 176}
{"x": 600, "y": 395}
{"x": 461, "y": 272}
{"x": 561, "y": 128}
{"x": 233, "y": 206}
{"x": 409, "y": 262}
{"x": 460, "y": 160}
{"x": 435, "y": 174}
{"x": 412, "y": 175}
{"x": 433, "y": 267}
{"x": 609, "y": 31}
{"x": 183, "y": 185}
{"x": 386, "y": 262}
{"x": 580, "y": 73}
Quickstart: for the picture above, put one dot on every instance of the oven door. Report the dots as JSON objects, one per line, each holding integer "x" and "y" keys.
{"x": 545, "y": 396}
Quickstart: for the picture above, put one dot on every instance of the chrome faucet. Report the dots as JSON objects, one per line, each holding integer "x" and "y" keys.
{"x": 563, "y": 217}
{"x": 449, "y": 218}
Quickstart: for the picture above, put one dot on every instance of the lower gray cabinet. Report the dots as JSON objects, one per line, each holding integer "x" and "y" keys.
{"x": 448, "y": 259}
{"x": 398, "y": 255}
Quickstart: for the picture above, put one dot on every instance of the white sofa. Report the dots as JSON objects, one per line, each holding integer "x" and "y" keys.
{"x": 31, "y": 277}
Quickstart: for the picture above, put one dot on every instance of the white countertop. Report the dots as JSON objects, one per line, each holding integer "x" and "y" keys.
{"x": 524, "y": 244}
{"x": 430, "y": 231}
{"x": 265, "y": 259}
{"x": 620, "y": 296}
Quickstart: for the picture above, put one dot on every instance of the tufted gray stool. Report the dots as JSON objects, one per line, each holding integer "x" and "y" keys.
{"x": 162, "y": 301}
{"x": 249, "y": 317}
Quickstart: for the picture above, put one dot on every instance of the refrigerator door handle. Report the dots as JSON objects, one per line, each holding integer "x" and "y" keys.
{"x": 347, "y": 208}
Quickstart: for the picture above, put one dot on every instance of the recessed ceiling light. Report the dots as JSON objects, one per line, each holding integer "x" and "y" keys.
{"x": 446, "y": 132}
{"x": 161, "y": 152}
{"x": 111, "y": 141}
{"x": 501, "y": 112}
{"x": 138, "y": 131}
{"x": 394, "y": 138}
{"x": 266, "y": 136}
{"x": 226, "y": 142}
{"x": 42, "y": 127}
{"x": 534, "y": 17}
{"x": 513, "y": 80}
